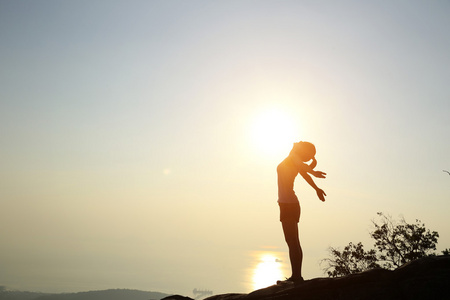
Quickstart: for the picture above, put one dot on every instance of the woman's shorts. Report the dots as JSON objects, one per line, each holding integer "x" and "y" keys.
{"x": 289, "y": 212}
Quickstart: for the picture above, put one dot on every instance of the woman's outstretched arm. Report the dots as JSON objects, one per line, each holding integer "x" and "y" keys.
{"x": 320, "y": 193}
{"x": 302, "y": 167}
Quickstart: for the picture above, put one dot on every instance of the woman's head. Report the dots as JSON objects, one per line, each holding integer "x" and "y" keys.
{"x": 305, "y": 150}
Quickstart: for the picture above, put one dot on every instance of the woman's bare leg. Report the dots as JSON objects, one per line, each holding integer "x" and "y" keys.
{"x": 290, "y": 230}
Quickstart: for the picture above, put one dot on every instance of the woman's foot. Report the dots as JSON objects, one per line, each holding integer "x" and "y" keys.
{"x": 292, "y": 280}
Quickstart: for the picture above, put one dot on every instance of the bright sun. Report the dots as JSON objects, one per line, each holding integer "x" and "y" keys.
{"x": 273, "y": 132}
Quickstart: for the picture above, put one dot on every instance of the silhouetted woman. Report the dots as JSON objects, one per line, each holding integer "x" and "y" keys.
{"x": 287, "y": 170}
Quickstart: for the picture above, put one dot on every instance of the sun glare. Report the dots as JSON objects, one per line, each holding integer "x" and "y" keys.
{"x": 272, "y": 132}
{"x": 267, "y": 272}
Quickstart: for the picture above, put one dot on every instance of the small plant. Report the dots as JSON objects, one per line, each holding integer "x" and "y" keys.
{"x": 396, "y": 243}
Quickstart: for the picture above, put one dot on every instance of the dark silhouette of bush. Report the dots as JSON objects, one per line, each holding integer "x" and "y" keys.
{"x": 353, "y": 259}
{"x": 396, "y": 243}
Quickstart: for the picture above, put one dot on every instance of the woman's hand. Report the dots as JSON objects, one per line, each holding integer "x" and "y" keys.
{"x": 319, "y": 174}
{"x": 321, "y": 194}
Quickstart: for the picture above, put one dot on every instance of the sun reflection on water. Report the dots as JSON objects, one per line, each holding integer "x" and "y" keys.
{"x": 267, "y": 271}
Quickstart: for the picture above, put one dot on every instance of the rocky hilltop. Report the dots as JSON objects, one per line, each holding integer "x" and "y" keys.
{"x": 426, "y": 278}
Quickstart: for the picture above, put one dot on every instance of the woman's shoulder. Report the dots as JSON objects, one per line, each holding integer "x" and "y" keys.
{"x": 286, "y": 163}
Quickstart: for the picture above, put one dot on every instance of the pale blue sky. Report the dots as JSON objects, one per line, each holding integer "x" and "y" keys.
{"x": 126, "y": 150}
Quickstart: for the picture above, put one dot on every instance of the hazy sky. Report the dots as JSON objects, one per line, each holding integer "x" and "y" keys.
{"x": 131, "y": 153}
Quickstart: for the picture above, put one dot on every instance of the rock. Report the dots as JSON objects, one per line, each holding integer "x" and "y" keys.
{"x": 426, "y": 278}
